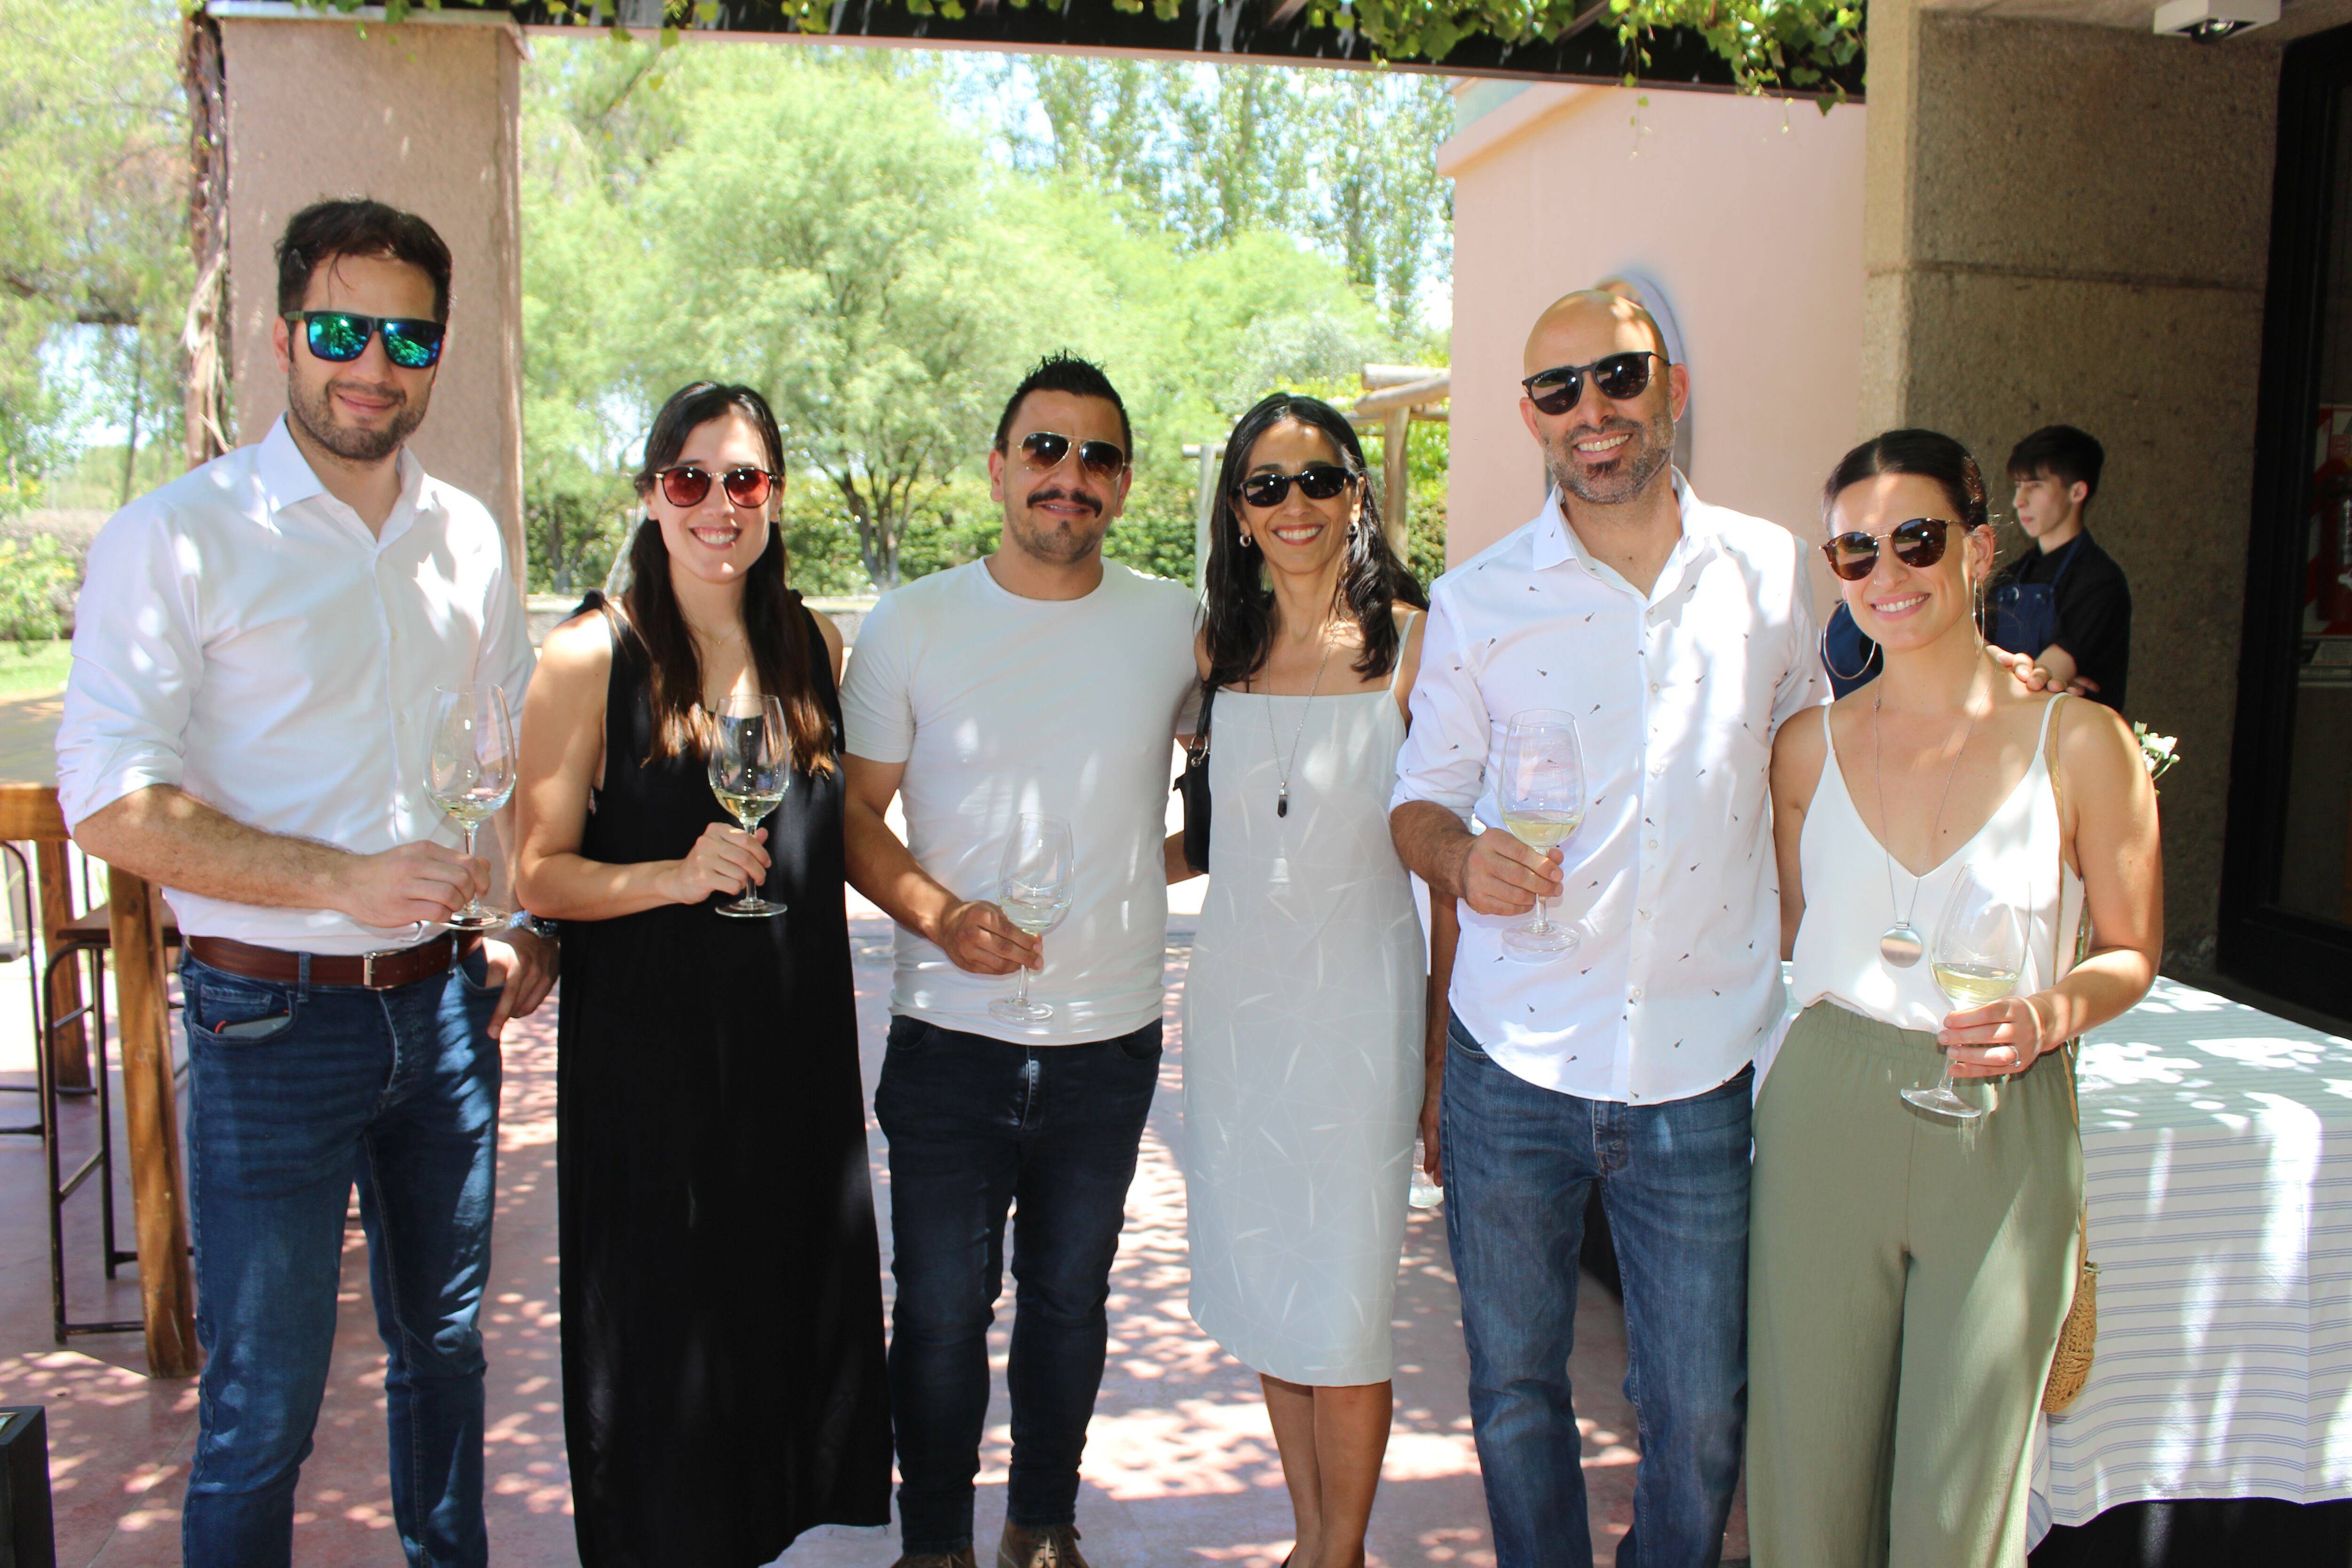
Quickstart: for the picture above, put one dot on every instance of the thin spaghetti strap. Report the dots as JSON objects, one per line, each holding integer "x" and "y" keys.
{"x": 2042, "y": 741}
{"x": 1403, "y": 633}
{"x": 1827, "y": 739}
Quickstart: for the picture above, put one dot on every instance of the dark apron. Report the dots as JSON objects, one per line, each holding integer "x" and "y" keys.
{"x": 2023, "y": 617}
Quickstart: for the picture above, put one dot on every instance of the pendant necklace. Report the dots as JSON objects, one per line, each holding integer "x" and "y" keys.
{"x": 1899, "y": 944}
{"x": 1282, "y": 767}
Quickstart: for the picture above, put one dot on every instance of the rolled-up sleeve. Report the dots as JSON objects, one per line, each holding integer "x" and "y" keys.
{"x": 1444, "y": 755}
{"x": 137, "y": 655}
{"x": 876, "y": 711}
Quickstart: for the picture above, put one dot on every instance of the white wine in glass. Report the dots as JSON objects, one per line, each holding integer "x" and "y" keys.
{"x": 750, "y": 770}
{"x": 1979, "y": 952}
{"x": 471, "y": 774}
{"x": 1541, "y": 794}
{"x": 1034, "y": 891}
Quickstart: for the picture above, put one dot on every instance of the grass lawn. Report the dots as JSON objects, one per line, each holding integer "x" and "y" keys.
{"x": 37, "y": 666}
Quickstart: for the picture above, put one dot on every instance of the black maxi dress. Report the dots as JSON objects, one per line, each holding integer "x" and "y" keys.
{"x": 721, "y": 1289}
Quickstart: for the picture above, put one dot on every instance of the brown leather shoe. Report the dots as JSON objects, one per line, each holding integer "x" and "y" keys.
{"x": 1056, "y": 1546}
{"x": 959, "y": 1559}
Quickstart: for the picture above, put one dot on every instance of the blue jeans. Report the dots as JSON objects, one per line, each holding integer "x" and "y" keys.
{"x": 397, "y": 1090}
{"x": 1519, "y": 1166}
{"x": 976, "y": 1125}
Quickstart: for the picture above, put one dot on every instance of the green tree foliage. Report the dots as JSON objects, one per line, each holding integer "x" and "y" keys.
{"x": 93, "y": 136}
{"x": 37, "y": 581}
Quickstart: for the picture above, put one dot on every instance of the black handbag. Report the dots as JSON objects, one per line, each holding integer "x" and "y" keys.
{"x": 1192, "y": 783}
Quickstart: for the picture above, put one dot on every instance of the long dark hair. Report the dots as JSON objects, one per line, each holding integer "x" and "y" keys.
{"x": 1241, "y": 606}
{"x": 774, "y": 625}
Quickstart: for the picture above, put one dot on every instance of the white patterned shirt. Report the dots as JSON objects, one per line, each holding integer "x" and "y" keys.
{"x": 1677, "y": 697}
{"x": 241, "y": 634}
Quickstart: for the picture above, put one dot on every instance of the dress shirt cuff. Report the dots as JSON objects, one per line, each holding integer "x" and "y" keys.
{"x": 1409, "y": 789}
{"x": 83, "y": 793}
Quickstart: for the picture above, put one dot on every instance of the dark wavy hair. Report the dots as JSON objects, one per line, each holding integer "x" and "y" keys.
{"x": 355, "y": 226}
{"x": 782, "y": 642}
{"x": 1240, "y": 605}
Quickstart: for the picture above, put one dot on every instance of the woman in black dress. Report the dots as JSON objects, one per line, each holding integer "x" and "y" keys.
{"x": 723, "y": 1379}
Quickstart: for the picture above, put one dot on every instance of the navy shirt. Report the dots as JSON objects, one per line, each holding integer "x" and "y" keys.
{"x": 2092, "y": 610}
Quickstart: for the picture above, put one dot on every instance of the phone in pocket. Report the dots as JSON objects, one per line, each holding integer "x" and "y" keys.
{"x": 252, "y": 1029}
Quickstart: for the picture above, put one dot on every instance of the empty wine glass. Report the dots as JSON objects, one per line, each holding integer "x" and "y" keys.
{"x": 1541, "y": 794}
{"x": 1425, "y": 1192}
{"x": 750, "y": 769}
{"x": 1978, "y": 952}
{"x": 471, "y": 774}
{"x": 1035, "y": 894}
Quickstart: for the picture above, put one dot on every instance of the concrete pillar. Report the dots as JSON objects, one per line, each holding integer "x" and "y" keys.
{"x": 2070, "y": 224}
{"x": 424, "y": 116}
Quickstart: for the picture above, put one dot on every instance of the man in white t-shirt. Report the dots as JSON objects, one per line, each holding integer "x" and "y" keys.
{"x": 1040, "y": 680}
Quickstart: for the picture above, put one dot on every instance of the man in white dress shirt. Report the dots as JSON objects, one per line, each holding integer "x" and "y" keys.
{"x": 1677, "y": 635}
{"x": 255, "y": 651}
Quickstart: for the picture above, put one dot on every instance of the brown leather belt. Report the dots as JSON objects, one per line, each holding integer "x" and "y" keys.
{"x": 373, "y": 970}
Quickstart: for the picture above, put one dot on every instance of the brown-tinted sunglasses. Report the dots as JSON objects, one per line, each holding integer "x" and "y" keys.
{"x": 1044, "y": 450}
{"x": 1917, "y": 544}
{"x": 687, "y": 483}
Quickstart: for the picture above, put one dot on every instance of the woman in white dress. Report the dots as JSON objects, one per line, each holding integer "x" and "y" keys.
{"x": 1304, "y": 1008}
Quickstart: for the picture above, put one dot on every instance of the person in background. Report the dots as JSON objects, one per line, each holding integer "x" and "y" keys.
{"x": 1678, "y": 636}
{"x": 723, "y": 1383}
{"x": 1304, "y": 1004}
{"x": 2065, "y": 601}
{"x": 1040, "y": 680}
{"x": 1909, "y": 1272}
{"x": 249, "y": 723}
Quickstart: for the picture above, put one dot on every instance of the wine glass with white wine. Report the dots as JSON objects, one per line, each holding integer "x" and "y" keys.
{"x": 1541, "y": 793}
{"x": 1034, "y": 891}
{"x": 471, "y": 774}
{"x": 1979, "y": 952}
{"x": 750, "y": 769}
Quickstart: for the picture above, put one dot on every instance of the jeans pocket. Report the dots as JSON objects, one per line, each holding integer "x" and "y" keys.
{"x": 474, "y": 972}
{"x": 228, "y": 1010}
{"x": 1458, "y": 1039}
{"x": 908, "y": 1035}
{"x": 1144, "y": 1045}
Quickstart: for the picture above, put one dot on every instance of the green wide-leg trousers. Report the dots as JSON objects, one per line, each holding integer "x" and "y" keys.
{"x": 1907, "y": 1276}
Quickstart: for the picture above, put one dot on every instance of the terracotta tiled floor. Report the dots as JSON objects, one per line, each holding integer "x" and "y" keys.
{"x": 1179, "y": 1469}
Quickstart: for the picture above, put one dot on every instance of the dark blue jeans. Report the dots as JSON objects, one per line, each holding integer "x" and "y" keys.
{"x": 1521, "y": 1162}
{"x": 397, "y": 1090}
{"x": 976, "y": 1125}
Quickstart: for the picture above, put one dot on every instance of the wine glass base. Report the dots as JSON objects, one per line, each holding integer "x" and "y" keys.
{"x": 1544, "y": 946}
{"x": 752, "y": 909}
{"x": 1011, "y": 1012}
{"x": 1941, "y": 1101}
{"x": 464, "y": 921}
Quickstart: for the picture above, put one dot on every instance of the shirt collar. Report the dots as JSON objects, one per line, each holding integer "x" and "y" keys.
{"x": 287, "y": 479}
{"x": 1556, "y": 543}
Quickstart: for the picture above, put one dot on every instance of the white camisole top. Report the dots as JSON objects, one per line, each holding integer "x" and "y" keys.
{"x": 2015, "y": 853}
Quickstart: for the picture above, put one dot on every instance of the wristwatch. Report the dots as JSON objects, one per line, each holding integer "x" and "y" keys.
{"x": 523, "y": 920}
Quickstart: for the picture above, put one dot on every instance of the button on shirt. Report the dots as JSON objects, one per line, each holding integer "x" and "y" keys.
{"x": 1677, "y": 697}
{"x": 242, "y": 636}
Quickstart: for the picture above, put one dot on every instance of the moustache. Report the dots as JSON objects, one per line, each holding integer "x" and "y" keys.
{"x": 385, "y": 391}
{"x": 1075, "y": 497}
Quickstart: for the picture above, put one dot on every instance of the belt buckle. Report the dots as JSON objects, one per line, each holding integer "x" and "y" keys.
{"x": 367, "y": 969}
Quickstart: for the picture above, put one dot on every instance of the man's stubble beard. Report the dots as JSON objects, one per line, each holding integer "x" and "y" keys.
{"x": 315, "y": 413}
{"x": 1655, "y": 450}
{"x": 1055, "y": 547}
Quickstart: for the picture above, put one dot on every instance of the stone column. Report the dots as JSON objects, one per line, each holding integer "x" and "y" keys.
{"x": 424, "y": 116}
{"x": 2070, "y": 224}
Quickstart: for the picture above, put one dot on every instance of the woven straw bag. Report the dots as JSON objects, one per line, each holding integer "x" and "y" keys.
{"x": 2078, "y": 1336}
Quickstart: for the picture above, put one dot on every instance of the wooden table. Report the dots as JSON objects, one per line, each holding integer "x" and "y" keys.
{"x": 29, "y": 813}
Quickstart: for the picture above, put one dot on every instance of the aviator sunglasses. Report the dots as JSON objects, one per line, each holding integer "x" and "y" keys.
{"x": 1917, "y": 544}
{"x": 1044, "y": 451}
{"x": 342, "y": 336}
{"x": 1619, "y": 376}
{"x": 687, "y": 483}
{"x": 1315, "y": 481}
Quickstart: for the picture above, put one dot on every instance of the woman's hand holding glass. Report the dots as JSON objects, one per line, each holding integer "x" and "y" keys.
{"x": 1979, "y": 953}
{"x": 724, "y": 860}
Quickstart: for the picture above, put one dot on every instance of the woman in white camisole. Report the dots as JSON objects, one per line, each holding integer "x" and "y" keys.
{"x": 1304, "y": 1006}
{"x": 1907, "y": 1272}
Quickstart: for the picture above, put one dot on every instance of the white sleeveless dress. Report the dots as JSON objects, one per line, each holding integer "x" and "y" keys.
{"x": 1302, "y": 1042}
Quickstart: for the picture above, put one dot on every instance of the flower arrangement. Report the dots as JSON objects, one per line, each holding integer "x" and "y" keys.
{"x": 2156, "y": 752}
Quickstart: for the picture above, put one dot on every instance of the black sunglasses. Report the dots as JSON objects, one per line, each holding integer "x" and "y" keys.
{"x": 687, "y": 483}
{"x": 1315, "y": 481}
{"x": 342, "y": 336}
{"x": 1621, "y": 376}
{"x": 1918, "y": 543}
{"x": 1044, "y": 451}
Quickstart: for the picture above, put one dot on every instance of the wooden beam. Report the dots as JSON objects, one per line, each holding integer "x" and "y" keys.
{"x": 29, "y": 812}
{"x": 70, "y": 1046}
{"x": 166, "y": 1284}
{"x": 1395, "y": 484}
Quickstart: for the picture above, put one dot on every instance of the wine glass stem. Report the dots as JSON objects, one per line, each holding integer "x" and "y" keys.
{"x": 1543, "y": 922}
{"x": 473, "y": 905}
{"x": 1021, "y": 987}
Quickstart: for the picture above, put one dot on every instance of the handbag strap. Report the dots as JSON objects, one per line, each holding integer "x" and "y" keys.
{"x": 1200, "y": 745}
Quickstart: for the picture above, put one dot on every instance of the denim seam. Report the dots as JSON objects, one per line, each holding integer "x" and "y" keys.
{"x": 399, "y": 1321}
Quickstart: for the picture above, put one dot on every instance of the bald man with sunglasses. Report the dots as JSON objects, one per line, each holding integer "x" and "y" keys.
{"x": 1678, "y": 637}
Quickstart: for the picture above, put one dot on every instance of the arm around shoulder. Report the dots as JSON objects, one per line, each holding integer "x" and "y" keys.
{"x": 1800, "y": 751}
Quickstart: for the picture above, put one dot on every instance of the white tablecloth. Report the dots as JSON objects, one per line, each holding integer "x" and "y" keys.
{"x": 2217, "y": 1156}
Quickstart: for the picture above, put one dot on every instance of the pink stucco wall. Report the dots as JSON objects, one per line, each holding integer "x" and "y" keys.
{"x": 1746, "y": 212}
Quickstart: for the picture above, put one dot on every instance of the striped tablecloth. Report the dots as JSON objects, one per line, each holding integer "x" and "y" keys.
{"x": 2218, "y": 1154}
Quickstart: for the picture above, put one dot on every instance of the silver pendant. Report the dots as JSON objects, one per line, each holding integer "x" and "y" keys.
{"x": 1278, "y": 874}
{"x": 1900, "y": 945}
{"x": 1282, "y": 802}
